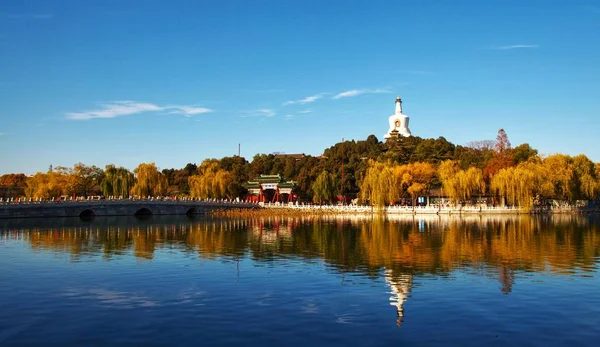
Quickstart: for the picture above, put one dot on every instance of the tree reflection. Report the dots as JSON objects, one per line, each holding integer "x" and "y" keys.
{"x": 393, "y": 249}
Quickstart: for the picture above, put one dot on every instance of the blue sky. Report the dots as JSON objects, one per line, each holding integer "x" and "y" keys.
{"x": 173, "y": 82}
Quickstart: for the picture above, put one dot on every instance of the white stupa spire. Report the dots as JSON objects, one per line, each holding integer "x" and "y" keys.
{"x": 398, "y": 105}
{"x": 398, "y": 122}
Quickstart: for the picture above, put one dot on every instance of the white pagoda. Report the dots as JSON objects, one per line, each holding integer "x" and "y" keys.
{"x": 398, "y": 122}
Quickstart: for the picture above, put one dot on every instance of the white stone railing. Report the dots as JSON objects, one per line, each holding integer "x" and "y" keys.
{"x": 431, "y": 209}
{"x": 116, "y": 200}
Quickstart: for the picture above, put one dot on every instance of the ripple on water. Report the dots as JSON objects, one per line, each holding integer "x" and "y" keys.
{"x": 496, "y": 281}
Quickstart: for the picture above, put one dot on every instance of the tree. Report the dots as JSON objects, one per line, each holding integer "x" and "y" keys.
{"x": 482, "y": 145}
{"x": 324, "y": 187}
{"x": 559, "y": 173}
{"x": 48, "y": 185}
{"x": 380, "y": 185}
{"x": 502, "y": 143}
{"x": 149, "y": 181}
{"x": 518, "y": 186}
{"x": 467, "y": 157}
{"x": 178, "y": 178}
{"x": 212, "y": 182}
{"x": 447, "y": 172}
{"x": 117, "y": 181}
{"x": 460, "y": 185}
{"x": 415, "y": 178}
{"x": 523, "y": 153}
{"x": 585, "y": 180}
{"x": 238, "y": 167}
{"x": 85, "y": 178}
{"x": 13, "y": 185}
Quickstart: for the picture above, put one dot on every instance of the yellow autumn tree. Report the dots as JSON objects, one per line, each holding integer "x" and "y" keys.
{"x": 380, "y": 185}
{"x": 586, "y": 180}
{"x": 48, "y": 185}
{"x": 416, "y": 178}
{"x": 447, "y": 172}
{"x": 212, "y": 182}
{"x": 460, "y": 185}
{"x": 149, "y": 181}
{"x": 559, "y": 171}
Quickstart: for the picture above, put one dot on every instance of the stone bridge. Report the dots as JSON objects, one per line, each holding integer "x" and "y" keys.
{"x": 92, "y": 208}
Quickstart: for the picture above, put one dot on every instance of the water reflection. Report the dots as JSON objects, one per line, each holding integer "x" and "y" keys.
{"x": 396, "y": 250}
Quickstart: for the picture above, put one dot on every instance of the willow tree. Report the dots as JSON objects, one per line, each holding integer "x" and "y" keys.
{"x": 520, "y": 185}
{"x": 460, "y": 185}
{"x": 505, "y": 183}
{"x": 597, "y": 171}
{"x": 559, "y": 171}
{"x": 117, "y": 181}
{"x": 447, "y": 172}
{"x": 212, "y": 182}
{"x": 324, "y": 187}
{"x": 586, "y": 180}
{"x": 149, "y": 181}
{"x": 470, "y": 183}
{"x": 380, "y": 185}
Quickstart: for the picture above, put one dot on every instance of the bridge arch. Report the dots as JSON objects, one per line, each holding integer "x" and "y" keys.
{"x": 144, "y": 211}
{"x": 192, "y": 211}
{"x": 87, "y": 213}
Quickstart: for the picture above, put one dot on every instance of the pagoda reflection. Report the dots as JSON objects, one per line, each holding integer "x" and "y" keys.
{"x": 395, "y": 249}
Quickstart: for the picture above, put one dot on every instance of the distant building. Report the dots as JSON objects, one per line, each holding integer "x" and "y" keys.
{"x": 398, "y": 123}
{"x": 270, "y": 188}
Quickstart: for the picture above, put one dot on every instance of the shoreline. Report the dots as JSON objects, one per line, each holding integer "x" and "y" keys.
{"x": 397, "y": 211}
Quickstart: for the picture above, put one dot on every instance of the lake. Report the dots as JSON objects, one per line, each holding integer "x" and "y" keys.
{"x": 301, "y": 281}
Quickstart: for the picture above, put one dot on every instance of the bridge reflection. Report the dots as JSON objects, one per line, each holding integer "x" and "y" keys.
{"x": 398, "y": 250}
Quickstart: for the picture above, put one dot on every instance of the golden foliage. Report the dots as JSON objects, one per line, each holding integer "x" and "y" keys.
{"x": 48, "y": 185}
{"x": 460, "y": 185}
{"x": 212, "y": 181}
{"x": 149, "y": 181}
{"x": 386, "y": 183}
{"x": 555, "y": 177}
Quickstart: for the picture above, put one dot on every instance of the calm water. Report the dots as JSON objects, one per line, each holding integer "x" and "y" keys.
{"x": 492, "y": 281}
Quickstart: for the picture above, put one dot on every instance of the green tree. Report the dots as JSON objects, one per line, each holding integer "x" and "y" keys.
{"x": 523, "y": 153}
{"x": 117, "y": 181}
{"x": 324, "y": 188}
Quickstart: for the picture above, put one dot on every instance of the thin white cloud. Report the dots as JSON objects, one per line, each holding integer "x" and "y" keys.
{"x": 308, "y": 110}
{"x": 306, "y": 100}
{"x": 263, "y": 113}
{"x": 6, "y": 15}
{"x": 125, "y": 108}
{"x": 509, "y": 47}
{"x": 189, "y": 110}
{"x": 266, "y": 112}
{"x": 289, "y": 116}
{"x": 357, "y": 92}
